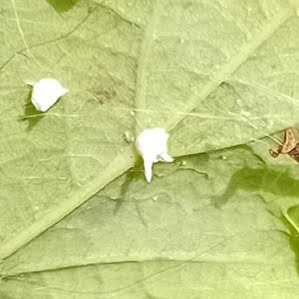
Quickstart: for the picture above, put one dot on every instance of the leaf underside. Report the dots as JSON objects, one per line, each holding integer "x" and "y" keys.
{"x": 78, "y": 219}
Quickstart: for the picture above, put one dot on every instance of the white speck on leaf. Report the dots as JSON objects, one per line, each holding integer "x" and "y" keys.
{"x": 45, "y": 93}
{"x": 128, "y": 137}
{"x": 152, "y": 146}
{"x": 184, "y": 163}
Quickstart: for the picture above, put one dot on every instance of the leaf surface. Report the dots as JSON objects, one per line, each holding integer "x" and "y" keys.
{"x": 206, "y": 225}
{"x": 215, "y": 75}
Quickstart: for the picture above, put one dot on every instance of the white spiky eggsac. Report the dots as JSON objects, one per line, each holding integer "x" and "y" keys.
{"x": 46, "y": 93}
{"x": 152, "y": 146}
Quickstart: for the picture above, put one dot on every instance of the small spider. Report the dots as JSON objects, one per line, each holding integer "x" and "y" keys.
{"x": 290, "y": 146}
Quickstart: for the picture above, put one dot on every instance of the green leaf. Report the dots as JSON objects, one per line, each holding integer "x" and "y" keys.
{"x": 173, "y": 238}
{"x": 78, "y": 219}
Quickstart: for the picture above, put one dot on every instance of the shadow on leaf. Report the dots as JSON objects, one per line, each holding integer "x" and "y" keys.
{"x": 31, "y": 115}
{"x": 259, "y": 179}
{"x": 132, "y": 175}
{"x": 292, "y": 224}
{"x": 294, "y": 244}
{"x": 271, "y": 181}
{"x": 62, "y": 5}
